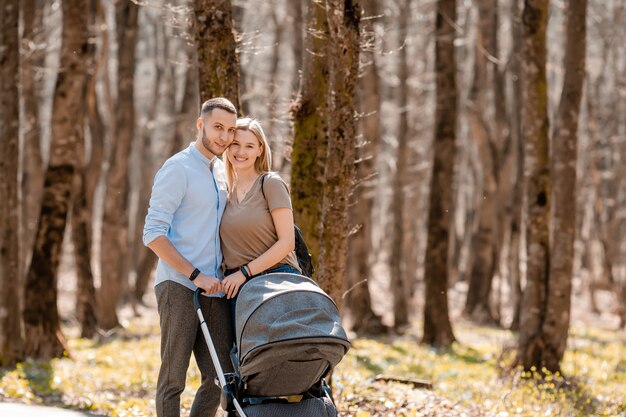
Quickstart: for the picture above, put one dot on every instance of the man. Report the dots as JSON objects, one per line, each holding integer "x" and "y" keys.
{"x": 182, "y": 228}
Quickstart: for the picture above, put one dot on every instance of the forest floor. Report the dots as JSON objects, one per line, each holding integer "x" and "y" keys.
{"x": 115, "y": 375}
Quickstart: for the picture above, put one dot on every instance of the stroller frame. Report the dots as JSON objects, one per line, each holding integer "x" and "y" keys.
{"x": 228, "y": 399}
{"x": 229, "y": 383}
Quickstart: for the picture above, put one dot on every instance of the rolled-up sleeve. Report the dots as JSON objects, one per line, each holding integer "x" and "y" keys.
{"x": 168, "y": 190}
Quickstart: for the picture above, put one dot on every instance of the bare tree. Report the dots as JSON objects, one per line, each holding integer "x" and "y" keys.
{"x": 359, "y": 273}
{"x": 483, "y": 132}
{"x": 81, "y": 238}
{"x": 33, "y": 55}
{"x": 537, "y": 180}
{"x": 11, "y": 342}
{"x": 163, "y": 94}
{"x": 564, "y": 158}
{"x": 606, "y": 224}
{"x": 397, "y": 261}
{"x": 295, "y": 12}
{"x": 94, "y": 113}
{"x": 115, "y": 241}
{"x": 437, "y": 327}
{"x": 343, "y": 26}
{"x": 275, "y": 60}
{"x": 517, "y": 145}
{"x": 310, "y": 141}
{"x": 84, "y": 188}
{"x": 41, "y": 318}
{"x": 189, "y": 105}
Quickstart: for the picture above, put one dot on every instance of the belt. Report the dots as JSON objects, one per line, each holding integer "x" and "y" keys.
{"x": 267, "y": 271}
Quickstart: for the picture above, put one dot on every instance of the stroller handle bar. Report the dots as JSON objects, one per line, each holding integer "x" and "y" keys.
{"x": 212, "y": 351}
{"x": 207, "y": 337}
{"x": 196, "y": 298}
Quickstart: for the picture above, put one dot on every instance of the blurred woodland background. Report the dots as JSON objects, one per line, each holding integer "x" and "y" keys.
{"x": 432, "y": 146}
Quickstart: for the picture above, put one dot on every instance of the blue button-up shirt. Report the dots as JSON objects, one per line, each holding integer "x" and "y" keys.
{"x": 186, "y": 206}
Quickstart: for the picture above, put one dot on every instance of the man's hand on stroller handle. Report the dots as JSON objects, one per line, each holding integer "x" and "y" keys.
{"x": 209, "y": 284}
{"x": 232, "y": 282}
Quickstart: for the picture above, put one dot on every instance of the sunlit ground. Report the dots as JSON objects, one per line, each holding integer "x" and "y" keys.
{"x": 471, "y": 378}
{"x": 117, "y": 376}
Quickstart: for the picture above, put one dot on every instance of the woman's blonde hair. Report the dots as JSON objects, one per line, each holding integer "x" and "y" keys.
{"x": 263, "y": 163}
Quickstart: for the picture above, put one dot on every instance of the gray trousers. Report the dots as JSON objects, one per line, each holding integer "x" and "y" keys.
{"x": 180, "y": 336}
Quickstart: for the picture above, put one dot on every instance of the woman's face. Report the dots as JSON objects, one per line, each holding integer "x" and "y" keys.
{"x": 244, "y": 150}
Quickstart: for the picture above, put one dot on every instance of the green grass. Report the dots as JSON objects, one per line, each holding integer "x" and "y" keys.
{"x": 117, "y": 377}
{"x": 471, "y": 376}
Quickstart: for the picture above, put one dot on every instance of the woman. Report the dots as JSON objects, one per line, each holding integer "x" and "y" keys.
{"x": 257, "y": 226}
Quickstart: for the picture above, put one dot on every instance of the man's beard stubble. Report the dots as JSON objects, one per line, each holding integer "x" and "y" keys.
{"x": 205, "y": 143}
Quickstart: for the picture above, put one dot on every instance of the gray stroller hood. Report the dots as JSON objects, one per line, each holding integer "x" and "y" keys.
{"x": 289, "y": 334}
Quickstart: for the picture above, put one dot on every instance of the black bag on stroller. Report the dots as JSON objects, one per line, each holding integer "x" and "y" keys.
{"x": 289, "y": 337}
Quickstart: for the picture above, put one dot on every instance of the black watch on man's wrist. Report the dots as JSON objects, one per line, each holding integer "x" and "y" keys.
{"x": 194, "y": 274}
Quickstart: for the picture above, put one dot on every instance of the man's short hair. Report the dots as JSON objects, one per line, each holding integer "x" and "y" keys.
{"x": 217, "y": 103}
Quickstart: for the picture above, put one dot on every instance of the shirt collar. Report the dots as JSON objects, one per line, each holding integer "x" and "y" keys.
{"x": 201, "y": 157}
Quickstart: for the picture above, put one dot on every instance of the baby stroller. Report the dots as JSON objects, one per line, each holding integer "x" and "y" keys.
{"x": 288, "y": 338}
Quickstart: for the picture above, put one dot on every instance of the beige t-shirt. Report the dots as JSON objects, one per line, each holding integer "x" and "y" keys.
{"x": 247, "y": 229}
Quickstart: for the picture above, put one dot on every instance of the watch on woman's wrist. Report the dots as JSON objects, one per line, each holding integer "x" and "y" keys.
{"x": 245, "y": 270}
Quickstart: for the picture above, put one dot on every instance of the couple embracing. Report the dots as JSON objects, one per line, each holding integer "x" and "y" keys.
{"x": 214, "y": 223}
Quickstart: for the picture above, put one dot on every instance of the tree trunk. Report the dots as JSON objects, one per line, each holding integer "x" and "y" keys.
{"x": 238, "y": 15}
{"x": 564, "y": 162}
{"x": 273, "y": 93}
{"x": 44, "y": 339}
{"x": 397, "y": 259}
{"x": 164, "y": 96}
{"x": 343, "y": 27}
{"x": 359, "y": 273}
{"x": 608, "y": 109}
{"x": 483, "y": 131}
{"x": 94, "y": 115}
{"x": 606, "y": 189}
{"x": 85, "y": 289}
{"x": 85, "y": 184}
{"x": 294, "y": 10}
{"x": 437, "y": 327}
{"x": 158, "y": 51}
{"x": 531, "y": 343}
{"x": 591, "y": 227}
{"x": 11, "y": 342}
{"x": 218, "y": 62}
{"x": 188, "y": 107}
{"x": 115, "y": 241}
{"x": 505, "y": 167}
{"x": 464, "y": 213}
{"x": 310, "y": 141}
{"x": 32, "y": 163}
{"x": 517, "y": 207}
{"x": 422, "y": 114}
